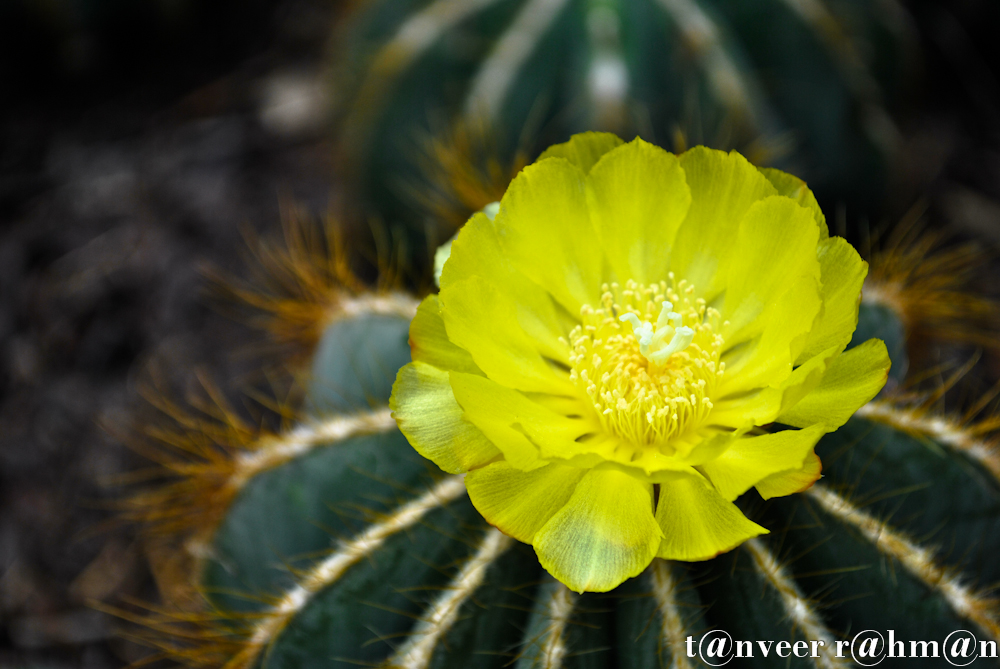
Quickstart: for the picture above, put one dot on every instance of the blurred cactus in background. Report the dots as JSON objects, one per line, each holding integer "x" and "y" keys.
{"x": 807, "y": 86}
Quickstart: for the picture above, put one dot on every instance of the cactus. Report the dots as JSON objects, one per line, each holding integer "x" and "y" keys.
{"x": 471, "y": 89}
{"x": 332, "y": 543}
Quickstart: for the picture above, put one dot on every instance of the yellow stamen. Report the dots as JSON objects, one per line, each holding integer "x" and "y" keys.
{"x": 656, "y": 382}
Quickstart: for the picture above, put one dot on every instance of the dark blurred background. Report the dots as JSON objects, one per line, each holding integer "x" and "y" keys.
{"x": 137, "y": 139}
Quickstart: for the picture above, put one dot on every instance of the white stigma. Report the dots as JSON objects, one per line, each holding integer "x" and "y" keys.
{"x": 653, "y": 340}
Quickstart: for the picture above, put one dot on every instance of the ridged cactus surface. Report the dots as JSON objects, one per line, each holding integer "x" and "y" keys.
{"x": 807, "y": 85}
{"x": 342, "y": 547}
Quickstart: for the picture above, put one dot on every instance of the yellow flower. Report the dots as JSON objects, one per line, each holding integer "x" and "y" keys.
{"x": 604, "y": 355}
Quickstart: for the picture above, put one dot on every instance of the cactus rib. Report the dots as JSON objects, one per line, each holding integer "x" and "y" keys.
{"x": 210, "y": 478}
{"x": 673, "y": 630}
{"x": 945, "y": 429}
{"x": 419, "y": 649}
{"x": 550, "y": 644}
{"x": 413, "y": 38}
{"x": 877, "y": 123}
{"x": 328, "y": 570}
{"x": 497, "y": 73}
{"x": 797, "y": 607}
{"x": 276, "y": 450}
{"x": 918, "y": 560}
{"x": 728, "y": 83}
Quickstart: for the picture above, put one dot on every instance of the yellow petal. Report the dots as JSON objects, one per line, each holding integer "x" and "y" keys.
{"x": 425, "y": 409}
{"x": 698, "y": 523}
{"x": 476, "y": 252}
{"x": 752, "y": 459}
{"x": 766, "y": 360}
{"x": 604, "y": 534}
{"x": 764, "y": 405}
{"x": 756, "y": 407}
{"x": 842, "y": 272}
{"x": 706, "y": 444}
{"x": 482, "y": 319}
{"x": 519, "y": 503}
{"x": 609, "y": 450}
{"x": 583, "y": 149}
{"x": 854, "y": 377}
{"x": 723, "y": 186}
{"x": 791, "y": 482}
{"x": 638, "y": 198}
{"x": 795, "y": 188}
{"x": 776, "y": 248}
{"x": 544, "y": 227}
{"x": 523, "y": 430}
{"x": 429, "y": 342}
{"x": 772, "y": 297}
{"x": 806, "y": 377}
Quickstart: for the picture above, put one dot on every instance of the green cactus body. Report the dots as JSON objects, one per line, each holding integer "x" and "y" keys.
{"x": 351, "y": 550}
{"x": 805, "y": 84}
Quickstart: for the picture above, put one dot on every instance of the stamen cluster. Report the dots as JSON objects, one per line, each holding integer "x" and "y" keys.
{"x": 641, "y": 396}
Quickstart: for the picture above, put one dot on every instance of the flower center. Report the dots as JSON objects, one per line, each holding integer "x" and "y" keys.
{"x": 653, "y": 340}
{"x": 649, "y": 380}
